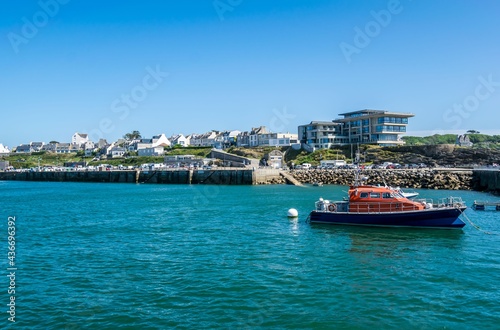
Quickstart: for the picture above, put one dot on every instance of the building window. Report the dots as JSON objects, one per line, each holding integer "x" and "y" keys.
{"x": 392, "y": 120}
{"x": 390, "y": 128}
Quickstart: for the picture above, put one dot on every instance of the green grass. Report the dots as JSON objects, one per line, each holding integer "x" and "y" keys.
{"x": 369, "y": 153}
{"x": 52, "y": 159}
{"x": 197, "y": 151}
{"x": 318, "y": 155}
{"x": 45, "y": 159}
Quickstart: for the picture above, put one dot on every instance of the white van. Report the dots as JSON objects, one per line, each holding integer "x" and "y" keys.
{"x": 306, "y": 166}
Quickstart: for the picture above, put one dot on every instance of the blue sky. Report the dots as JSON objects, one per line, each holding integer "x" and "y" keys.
{"x": 109, "y": 67}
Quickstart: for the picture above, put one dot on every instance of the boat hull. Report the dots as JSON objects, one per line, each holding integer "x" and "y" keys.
{"x": 447, "y": 218}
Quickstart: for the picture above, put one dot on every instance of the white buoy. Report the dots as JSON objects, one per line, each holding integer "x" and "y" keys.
{"x": 292, "y": 213}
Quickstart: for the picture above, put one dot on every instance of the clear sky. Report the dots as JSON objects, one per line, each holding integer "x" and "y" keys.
{"x": 109, "y": 67}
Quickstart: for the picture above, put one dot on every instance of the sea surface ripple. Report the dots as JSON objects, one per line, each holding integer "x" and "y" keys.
{"x": 149, "y": 256}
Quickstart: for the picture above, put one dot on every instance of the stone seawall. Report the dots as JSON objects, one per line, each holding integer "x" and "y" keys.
{"x": 219, "y": 176}
{"x": 421, "y": 178}
{"x": 481, "y": 180}
{"x": 486, "y": 180}
{"x": 71, "y": 176}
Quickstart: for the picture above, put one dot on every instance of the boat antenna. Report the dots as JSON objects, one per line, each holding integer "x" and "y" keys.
{"x": 357, "y": 169}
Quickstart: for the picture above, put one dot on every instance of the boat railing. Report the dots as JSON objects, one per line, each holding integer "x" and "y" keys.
{"x": 378, "y": 207}
{"x": 443, "y": 202}
{"x": 451, "y": 202}
{"x": 424, "y": 200}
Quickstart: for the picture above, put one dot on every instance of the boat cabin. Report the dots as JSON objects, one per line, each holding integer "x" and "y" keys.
{"x": 380, "y": 199}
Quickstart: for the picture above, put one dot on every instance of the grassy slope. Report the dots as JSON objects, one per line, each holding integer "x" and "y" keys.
{"x": 52, "y": 159}
{"x": 441, "y": 154}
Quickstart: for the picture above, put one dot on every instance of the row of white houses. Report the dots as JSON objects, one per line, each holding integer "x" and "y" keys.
{"x": 370, "y": 126}
{"x": 155, "y": 146}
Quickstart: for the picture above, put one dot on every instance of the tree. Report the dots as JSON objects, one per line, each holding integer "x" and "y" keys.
{"x": 472, "y": 131}
{"x": 132, "y": 136}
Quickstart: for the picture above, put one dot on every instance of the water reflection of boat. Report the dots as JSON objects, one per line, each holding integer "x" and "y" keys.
{"x": 369, "y": 205}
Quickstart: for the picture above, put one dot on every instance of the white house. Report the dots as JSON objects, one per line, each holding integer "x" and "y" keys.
{"x": 139, "y": 144}
{"x": 78, "y": 139}
{"x": 24, "y": 148}
{"x": 65, "y": 148}
{"x": 153, "y": 151}
{"x": 260, "y": 136}
{"x": 116, "y": 152}
{"x": 282, "y": 139}
{"x": 179, "y": 139}
{"x": 255, "y": 135}
{"x": 4, "y": 150}
{"x": 204, "y": 140}
{"x": 50, "y": 147}
{"x": 89, "y": 147}
{"x": 37, "y": 146}
{"x": 161, "y": 141}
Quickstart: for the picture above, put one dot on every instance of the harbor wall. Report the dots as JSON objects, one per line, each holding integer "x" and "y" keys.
{"x": 458, "y": 179}
{"x": 454, "y": 179}
{"x": 268, "y": 176}
{"x": 220, "y": 176}
{"x": 486, "y": 180}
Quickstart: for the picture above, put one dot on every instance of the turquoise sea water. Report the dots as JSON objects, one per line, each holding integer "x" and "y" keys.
{"x": 107, "y": 256}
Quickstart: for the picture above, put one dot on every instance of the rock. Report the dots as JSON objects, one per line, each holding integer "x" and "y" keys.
{"x": 422, "y": 178}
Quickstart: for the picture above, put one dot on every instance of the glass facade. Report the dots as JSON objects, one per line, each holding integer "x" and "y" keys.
{"x": 366, "y": 126}
{"x": 392, "y": 120}
{"x": 384, "y": 137}
{"x": 389, "y": 128}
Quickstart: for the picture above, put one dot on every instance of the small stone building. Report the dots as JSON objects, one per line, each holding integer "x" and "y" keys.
{"x": 275, "y": 159}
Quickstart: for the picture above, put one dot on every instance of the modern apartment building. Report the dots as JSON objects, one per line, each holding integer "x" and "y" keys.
{"x": 364, "y": 126}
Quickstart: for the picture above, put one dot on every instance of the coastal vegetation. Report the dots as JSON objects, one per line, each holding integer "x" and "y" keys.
{"x": 49, "y": 159}
{"x": 478, "y": 140}
{"x": 432, "y": 150}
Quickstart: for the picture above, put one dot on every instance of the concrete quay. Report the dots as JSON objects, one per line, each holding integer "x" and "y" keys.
{"x": 453, "y": 179}
{"x": 185, "y": 176}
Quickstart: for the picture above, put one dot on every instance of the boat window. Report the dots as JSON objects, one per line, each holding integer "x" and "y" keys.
{"x": 387, "y": 195}
{"x": 374, "y": 195}
{"x": 363, "y": 195}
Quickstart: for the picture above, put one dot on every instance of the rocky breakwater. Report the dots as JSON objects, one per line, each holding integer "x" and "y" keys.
{"x": 415, "y": 178}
